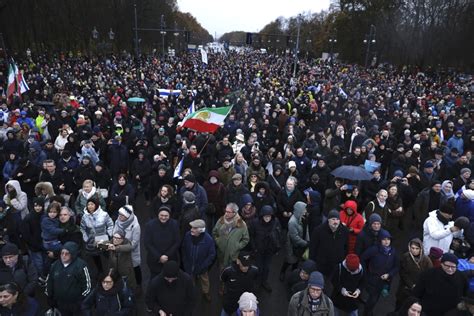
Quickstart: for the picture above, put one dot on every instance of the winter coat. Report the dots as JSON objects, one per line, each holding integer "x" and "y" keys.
{"x": 332, "y": 200}
{"x": 285, "y": 203}
{"x": 29, "y": 308}
{"x": 69, "y": 284}
{"x": 201, "y": 197}
{"x": 96, "y": 224}
{"x": 82, "y": 198}
{"x": 120, "y": 196}
{"x": 437, "y": 234}
{"x": 197, "y": 253}
{"x": 28, "y": 179}
{"x": 439, "y": 292}
{"x": 296, "y": 236}
{"x": 465, "y": 206}
{"x": 56, "y": 180}
{"x": 265, "y": 238}
{"x": 366, "y": 239}
{"x": 375, "y": 207}
{"x": 214, "y": 193}
{"x": 161, "y": 239}
{"x": 354, "y": 221}
{"x": 299, "y": 305}
{"x": 237, "y": 282}
{"x": 133, "y": 234}
{"x": 31, "y": 231}
{"x": 50, "y": 229}
{"x": 114, "y": 302}
{"x": 120, "y": 259}
{"x": 229, "y": 245}
{"x": 328, "y": 248}
{"x": 189, "y": 213}
{"x": 421, "y": 207}
{"x": 378, "y": 262}
{"x": 23, "y": 273}
{"x": 177, "y": 299}
{"x": 351, "y": 281}
{"x": 234, "y": 194}
{"x": 118, "y": 156}
{"x": 49, "y": 192}
{"x": 19, "y": 203}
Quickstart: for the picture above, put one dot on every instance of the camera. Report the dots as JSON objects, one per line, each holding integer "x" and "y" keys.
{"x": 103, "y": 246}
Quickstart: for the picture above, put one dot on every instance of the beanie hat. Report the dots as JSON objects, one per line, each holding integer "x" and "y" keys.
{"x": 398, "y": 173}
{"x": 316, "y": 279}
{"x": 428, "y": 164}
{"x": 462, "y": 222}
{"x": 449, "y": 257}
{"x": 164, "y": 208}
{"x": 435, "y": 252}
{"x": 189, "y": 197}
{"x": 291, "y": 164}
{"x": 38, "y": 201}
{"x": 170, "y": 269}
{"x": 352, "y": 262}
{"x": 10, "y": 249}
{"x": 308, "y": 266}
{"x": 248, "y": 302}
{"x": 375, "y": 218}
{"x": 464, "y": 170}
{"x": 333, "y": 214}
{"x": 384, "y": 234}
{"x": 126, "y": 210}
{"x": 190, "y": 177}
{"x": 266, "y": 210}
{"x": 468, "y": 193}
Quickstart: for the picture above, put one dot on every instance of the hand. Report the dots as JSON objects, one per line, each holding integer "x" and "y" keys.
{"x": 384, "y": 276}
{"x": 112, "y": 247}
{"x": 356, "y": 293}
{"x": 163, "y": 259}
{"x": 161, "y": 313}
{"x": 454, "y": 229}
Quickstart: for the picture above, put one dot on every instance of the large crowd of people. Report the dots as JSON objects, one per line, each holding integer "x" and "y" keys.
{"x": 78, "y": 161}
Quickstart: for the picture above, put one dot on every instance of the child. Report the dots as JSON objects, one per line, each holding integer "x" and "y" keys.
{"x": 50, "y": 228}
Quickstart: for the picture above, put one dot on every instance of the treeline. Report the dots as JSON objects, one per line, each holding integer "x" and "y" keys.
{"x": 423, "y": 33}
{"x": 55, "y": 25}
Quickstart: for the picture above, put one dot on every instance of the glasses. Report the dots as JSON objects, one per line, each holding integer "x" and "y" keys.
{"x": 107, "y": 282}
{"x": 118, "y": 237}
{"x": 449, "y": 267}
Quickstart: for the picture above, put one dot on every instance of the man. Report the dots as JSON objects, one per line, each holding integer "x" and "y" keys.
{"x": 198, "y": 253}
{"x": 440, "y": 289}
{"x": 56, "y": 178}
{"x": 312, "y": 300}
{"x": 329, "y": 243}
{"x": 230, "y": 234}
{"x": 190, "y": 184}
{"x": 427, "y": 200}
{"x": 68, "y": 282}
{"x": 18, "y": 269}
{"x": 171, "y": 292}
{"x": 439, "y": 230}
{"x": 237, "y": 278}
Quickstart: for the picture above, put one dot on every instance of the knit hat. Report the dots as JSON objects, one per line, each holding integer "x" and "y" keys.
{"x": 316, "y": 279}
{"x": 170, "y": 269}
{"x": 95, "y": 201}
{"x": 446, "y": 208}
{"x": 308, "y": 266}
{"x": 189, "y": 197}
{"x": 38, "y": 201}
{"x": 190, "y": 177}
{"x": 449, "y": 257}
{"x": 428, "y": 164}
{"x": 164, "y": 208}
{"x": 333, "y": 214}
{"x": 352, "y": 262}
{"x": 462, "y": 222}
{"x": 126, "y": 210}
{"x": 384, "y": 234}
{"x": 398, "y": 173}
{"x": 291, "y": 164}
{"x": 266, "y": 210}
{"x": 375, "y": 218}
{"x": 248, "y": 302}
{"x": 198, "y": 223}
{"x": 435, "y": 252}
{"x": 464, "y": 170}
{"x": 10, "y": 249}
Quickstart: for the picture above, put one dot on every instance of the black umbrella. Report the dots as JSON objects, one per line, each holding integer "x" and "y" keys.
{"x": 354, "y": 173}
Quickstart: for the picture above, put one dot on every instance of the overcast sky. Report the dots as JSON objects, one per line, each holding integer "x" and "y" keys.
{"x": 223, "y": 16}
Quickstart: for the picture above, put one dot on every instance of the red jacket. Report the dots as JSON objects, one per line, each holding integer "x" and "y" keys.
{"x": 355, "y": 221}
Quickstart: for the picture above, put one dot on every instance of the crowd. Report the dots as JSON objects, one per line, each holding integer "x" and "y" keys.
{"x": 76, "y": 157}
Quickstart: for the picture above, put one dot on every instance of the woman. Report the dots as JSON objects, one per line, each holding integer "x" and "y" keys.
{"x": 85, "y": 171}
{"x": 88, "y": 191}
{"x": 353, "y": 221}
{"x": 119, "y": 253}
{"x": 248, "y": 305}
{"x": 61, "y": 140}
{"x": 447, "y": 192}
{"x": 16, "y": 200}
{"x": 240, "y": 165}
{"x": 166, "y": 196}
{"x": 122, "y": 193}
{"x": 110, "y": 297}
{"x": 276, "y": 180}
{"x": 396, "y": 212}
{"x": 127, "y": 222}
{"x": 411, "y": 307}
{"x": 252, "y": 181}
{"x": 96, "y": 227}
{"x": 287, "y": 199}
{"x": 262, "y": 196}
{"x": 15, "y": 303}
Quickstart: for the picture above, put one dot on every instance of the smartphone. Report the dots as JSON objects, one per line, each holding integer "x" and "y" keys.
{"x": 349, "y": 186}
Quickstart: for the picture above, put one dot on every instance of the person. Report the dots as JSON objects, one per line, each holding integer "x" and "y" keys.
{"x": 412, "y": 264}
{"x": 329, "y": 244}
{"x": 297, "y": 238}
{"x": 238, "y": 277}
{"x": 441, "y": 289}
{"x": 50, "y": 230}
{"x": 248, "y": 305}
{"x": 466, "y": 265}
{"x": 68, "y": 223}
{"x": 353, "y": 221}
{"x": 16, "y": 200}
{"x": 88, "y": 191}
{"x": 19, "y": 269}
{"x": 122, "y": 193}
{"x": 230, "y": 234}
{"x": 189, "y": 212}
{"x": 286, "y": 200}
{"x": 439, "y": 230}
{"x": 171, "y": 292}
{"x": 13, "y": 302}
{"x": 382, "y": 264}
{"x": 265, "y": 240}
{"x": 127, "y": 222}
{"x": 198, "y": 254}
{"x": 427, "y": 201}
{"x": 369, "y": 234}
{"x": 109, "y": 297}
{"x": 378, "y": 206}
{"x": 312, "y": 300}
{"x": 191, "y": 185}
{"x": 297, "y": 280}
{"x": 120, "y": 258}
{"x": 161, "y": 240}
{"x": 466, "y": 307}
{"x": 68, "y": 282}
{"x": 348, "y": 281}
{"x": 410, "y": 307}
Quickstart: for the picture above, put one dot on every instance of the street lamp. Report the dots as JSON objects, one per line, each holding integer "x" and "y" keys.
{"x": 95, "y": 33}
{"x": 111, "y": 35}
{"x": 369, "y": 39}
{"x": 163, "y": 33}
{"x": 332, "y": 42}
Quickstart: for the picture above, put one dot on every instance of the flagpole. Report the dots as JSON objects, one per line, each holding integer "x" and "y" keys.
{"x": 205, "y": 144}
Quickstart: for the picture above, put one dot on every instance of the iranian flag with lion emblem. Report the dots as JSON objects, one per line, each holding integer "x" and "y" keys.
{"x": 207, "y": 119}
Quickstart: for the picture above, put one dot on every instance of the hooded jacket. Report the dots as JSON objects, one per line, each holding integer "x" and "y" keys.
{"x": 69, "y": 284}
{"x": 215, "y": 192}
{"x": 354, "y": 222}
{"x": 296, "y": 235}
{"x": 115, "y": 301}
{"x": 265, "y": 238}
{"x": 19, "y": 203}
{"x": 437, "y": 234}
{"x": 349, "y": 280}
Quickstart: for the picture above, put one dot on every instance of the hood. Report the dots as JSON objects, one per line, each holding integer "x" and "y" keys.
{"x": 213, "y": 173}
{"x": 262, "y": 184}
{"x": 46, "y": 186}
{"x": 73, "y": 249}
{"x": 351, "y": 204}
{"x": 298, "y": 209}
{"x": 36, "y": 146}
{"x": 416, "y": 241}
{"x": 469, "y": 194}
{"x": 315, "y": 197}
{"x": 308, "y": 266}
{"x": 15, "y": 184}
{"x": 246, "y": 198}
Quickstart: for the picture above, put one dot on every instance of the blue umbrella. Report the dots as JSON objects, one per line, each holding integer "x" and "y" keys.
{"x": 354, "y": 173}
{"x": 136, "y": 100}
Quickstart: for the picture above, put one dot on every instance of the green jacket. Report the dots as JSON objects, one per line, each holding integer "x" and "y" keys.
{"x": 228, "y": 246}
{"x": 70, "y": 284}
{"x": 299, "y": 305}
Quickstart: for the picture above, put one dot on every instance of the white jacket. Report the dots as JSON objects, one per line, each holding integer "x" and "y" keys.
{"x": 436, "y": 234}
{"x": 20, "y": 202}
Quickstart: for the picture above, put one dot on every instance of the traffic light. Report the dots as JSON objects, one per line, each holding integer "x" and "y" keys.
{"x": 249, "y": 39}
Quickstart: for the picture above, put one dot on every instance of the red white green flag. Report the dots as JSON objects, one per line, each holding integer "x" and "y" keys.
{"x": 207, "y": 119}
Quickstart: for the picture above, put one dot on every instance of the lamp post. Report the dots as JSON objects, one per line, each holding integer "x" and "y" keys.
{"x": 369, "y": 40}
{"x": 137, "y": 55}
{"x": 332, "y": 42}
{"x": 163, "y": 33}
{"x": 95, "y": 33}
{"x": 297, "y": 45}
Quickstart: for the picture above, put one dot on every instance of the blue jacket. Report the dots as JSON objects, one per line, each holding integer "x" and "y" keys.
{"x": 379, "y": 263}
{"x": 50, "y": 228}
{"x": 32, "y": 309}
{"x": 464, "y": 265}
{"x": 9, "y": 169}
{"x": 464, "y": 207}
{"x": 197, "y": 258}
{"x": 455, "y": 142}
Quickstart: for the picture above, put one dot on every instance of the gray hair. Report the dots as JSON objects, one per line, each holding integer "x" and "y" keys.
{"x": 232, "y": 206}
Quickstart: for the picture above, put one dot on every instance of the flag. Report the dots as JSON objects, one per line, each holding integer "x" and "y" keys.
{"x": 203, "y": 56}
{"x": 11, "y": 88}
{"x": 207, "y": 119}
{"x": 191, "y": 110}
{"x": 342, "y": 93}
{"x": 165, "y": 93}
{"x": 22, "y": 83}
{"x": 177, "y": 170}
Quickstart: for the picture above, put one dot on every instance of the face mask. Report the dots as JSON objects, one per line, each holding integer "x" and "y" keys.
{"x": 213, "y": 180}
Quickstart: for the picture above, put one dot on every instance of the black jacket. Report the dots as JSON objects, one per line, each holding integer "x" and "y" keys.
{"x": 30, "y": 229}
{"x": 366, "y": 238}
{"x": 237, "y": 282}
{"x": 351, "y": 281}
{"x": 265, "y": 238}
{"x": 161, "y": 239}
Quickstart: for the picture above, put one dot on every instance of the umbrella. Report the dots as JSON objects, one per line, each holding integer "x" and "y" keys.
{"x": 135, "y": 99}
{"x": 354, "y": 173}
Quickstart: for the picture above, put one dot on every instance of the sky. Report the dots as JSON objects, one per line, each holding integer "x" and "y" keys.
{"x": 221, "y": 16}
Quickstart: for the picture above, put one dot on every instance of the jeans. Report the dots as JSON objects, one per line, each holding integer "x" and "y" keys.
{"x": 38, "y": 258}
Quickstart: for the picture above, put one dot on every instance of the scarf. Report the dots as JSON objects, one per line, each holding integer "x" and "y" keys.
{"x": 441, "y": 218}
{"x": 124, "y": 225}
{"x": 386, "y": 250}
{"x": 86, "y": 195}
{"x": 382, "y": 205}
{"x": 314, "y": 303}
{"x": 449, "y": 194}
